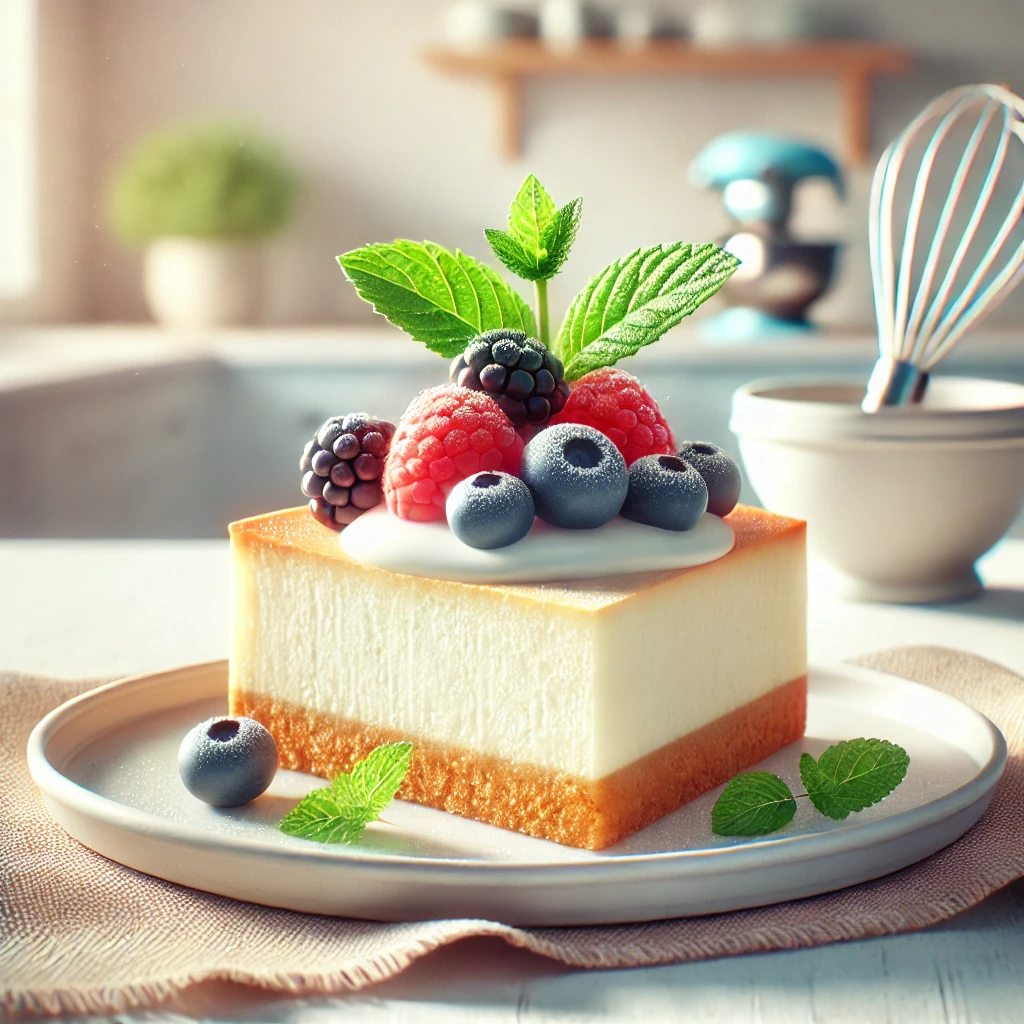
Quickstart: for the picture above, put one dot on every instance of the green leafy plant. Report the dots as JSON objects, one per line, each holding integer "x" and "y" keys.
{"x": 218, "y": 181}
{"x": 848, "y": 777}
{"x": 445, "y": 299}
{"x": 340, "y": 812}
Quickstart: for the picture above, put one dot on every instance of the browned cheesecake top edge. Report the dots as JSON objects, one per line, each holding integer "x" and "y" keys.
{"x": 295, "y": 529}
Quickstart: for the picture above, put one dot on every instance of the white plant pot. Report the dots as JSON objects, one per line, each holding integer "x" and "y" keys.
{"x": 901, "y": 503}
{"x": 191, "y": 282}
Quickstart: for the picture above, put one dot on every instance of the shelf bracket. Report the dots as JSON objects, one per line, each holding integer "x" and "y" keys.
{"x": 510, "y": 122}
{"x": 856, "y": 101}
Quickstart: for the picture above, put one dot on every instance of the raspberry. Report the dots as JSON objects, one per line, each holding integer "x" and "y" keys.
{"x": 342, "y": 465}
{"x": 518, "y": 372}
{"x": 618, "y": 405}
{"x": 447, "y": 434}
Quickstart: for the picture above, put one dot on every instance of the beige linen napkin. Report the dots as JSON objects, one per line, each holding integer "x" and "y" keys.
{"x": 79, "y": 933}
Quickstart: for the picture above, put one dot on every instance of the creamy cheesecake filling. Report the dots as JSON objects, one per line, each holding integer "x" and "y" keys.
{"x": 477, "y": 668}
{"x": 582, "y": 679}
{"x": 680, "y": 655}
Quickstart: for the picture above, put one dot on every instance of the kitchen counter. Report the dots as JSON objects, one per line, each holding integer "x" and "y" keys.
{"x": 178, "y": 432}
{"x": 42, "y": 355}
{"x": 103, "y": 608}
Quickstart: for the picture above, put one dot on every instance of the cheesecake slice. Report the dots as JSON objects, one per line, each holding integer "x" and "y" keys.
{"x": 578, "y": 712}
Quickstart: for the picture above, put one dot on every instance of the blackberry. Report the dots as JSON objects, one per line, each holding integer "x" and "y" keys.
{"x": 342, "y": 466}
{"x": 519, "y": 373}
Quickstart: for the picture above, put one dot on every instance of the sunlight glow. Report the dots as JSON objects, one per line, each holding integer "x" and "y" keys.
{"x": 19, "y": 258}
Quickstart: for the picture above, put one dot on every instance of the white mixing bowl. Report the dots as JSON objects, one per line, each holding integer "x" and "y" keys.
{"x": 900, "y": 503}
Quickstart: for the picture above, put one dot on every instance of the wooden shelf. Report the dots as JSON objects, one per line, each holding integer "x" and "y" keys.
{"x": 510, "y": 64}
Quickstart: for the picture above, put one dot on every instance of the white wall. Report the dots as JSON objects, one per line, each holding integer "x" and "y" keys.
{"x": 389, "y": 147}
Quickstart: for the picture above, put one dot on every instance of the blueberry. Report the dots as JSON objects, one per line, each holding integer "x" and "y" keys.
{"x": 227, "y": 762}
{"x": 490, "y": 510}
{"x": 720, "y": 473}
{"x": 576, "y": 475}
{"x": 666, "y": 492}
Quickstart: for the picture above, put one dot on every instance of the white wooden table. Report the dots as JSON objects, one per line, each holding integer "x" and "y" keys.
{"x": 103, "y": 608}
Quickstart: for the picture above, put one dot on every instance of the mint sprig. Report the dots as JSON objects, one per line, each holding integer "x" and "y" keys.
{"x": 849, "y": 776}
{"x": 443, "y": 299}
{"x": 538, "y": 240}
{"x": 635, "y": 300}
{"x": 539, "y": 236}
{"x": 340, "y": 812}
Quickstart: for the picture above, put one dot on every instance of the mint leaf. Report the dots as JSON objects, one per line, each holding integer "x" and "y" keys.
{"x": 319, "y": 817}
{"x": 635, "y": 300}
{"x": 539, "y": 234}
{"x": 562, "y": 238}
{"x": 443, "y": 299}
{"x": 850, "y": 776}
{"x": 511, "y": 253}
{"x": 531, "y": 219}
{"x": 753, "y": 804}
{"x": 373, "y": 782}
{"x": 339, "y": 813}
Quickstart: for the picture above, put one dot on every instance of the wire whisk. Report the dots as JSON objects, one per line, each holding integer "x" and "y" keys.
{"x": 929, "y": 293}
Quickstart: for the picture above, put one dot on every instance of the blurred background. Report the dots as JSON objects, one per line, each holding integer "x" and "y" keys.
{"x": 149, "y": 389}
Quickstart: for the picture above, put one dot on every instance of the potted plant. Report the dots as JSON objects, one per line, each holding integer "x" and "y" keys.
{"x": 201, "y": 198}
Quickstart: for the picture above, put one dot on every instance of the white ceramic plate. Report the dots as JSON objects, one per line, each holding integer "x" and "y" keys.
{"x": 106, "y": 765}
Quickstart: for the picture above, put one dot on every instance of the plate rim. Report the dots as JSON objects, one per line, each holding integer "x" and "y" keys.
{"x": 53, "y": 784}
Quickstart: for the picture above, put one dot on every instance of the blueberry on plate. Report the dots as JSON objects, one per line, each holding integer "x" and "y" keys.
{"x": 576, "y": 475}
{"x": 227, "y": 762}
{"x": 720, "y": 473}
{"x": 666, "y": 492}
{"x": 490, "y": 510}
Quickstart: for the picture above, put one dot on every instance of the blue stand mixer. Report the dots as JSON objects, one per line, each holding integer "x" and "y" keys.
{"x": 780, "y": 277}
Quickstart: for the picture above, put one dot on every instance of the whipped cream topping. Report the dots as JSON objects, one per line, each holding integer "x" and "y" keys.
{"x": 546, "y": 553}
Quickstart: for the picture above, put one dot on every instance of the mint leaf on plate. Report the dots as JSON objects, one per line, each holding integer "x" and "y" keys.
{"x": 539, "y": 234}
{"x": 753, "y": 804}
{"x": 852, "y": 775}
{"x": 635, "y": 300}
{"x": 340, "y": 812}
{"x": 373, "y": 782}
{"x": 442, "y": 299}
{"x": 319, "y": 817}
